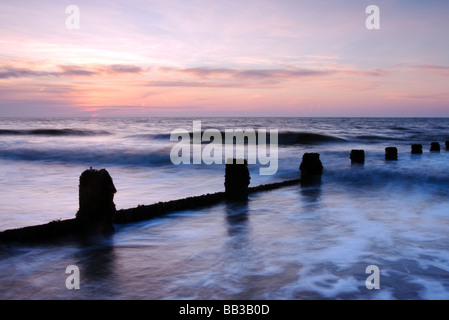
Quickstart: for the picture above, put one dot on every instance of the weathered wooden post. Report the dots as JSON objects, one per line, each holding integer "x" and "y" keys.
{"x": 435, "y": 147}
{"x": 391, "y": 153}
{"x": 311, "y": 167}
{"x": 416, "y": 148}
{"x": 96, "y": 201}
{"x": 237, "y": 179}
{"x": 357, "y": 156}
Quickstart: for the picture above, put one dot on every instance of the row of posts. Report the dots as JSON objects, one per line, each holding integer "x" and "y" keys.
{"x": 97, "y": 190}
{"x": 237, "y": 176}
{"x": 391, "y": 153}
{"x": 97, "y": 210}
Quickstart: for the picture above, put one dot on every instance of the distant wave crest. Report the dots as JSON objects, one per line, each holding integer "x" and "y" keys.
{"x": 285, "y": 138}
{"x": 376, "y": 138}
{"x": 293, "y": 138}
{"x": 85, "y": 157}
{"x": 51, "y": 132}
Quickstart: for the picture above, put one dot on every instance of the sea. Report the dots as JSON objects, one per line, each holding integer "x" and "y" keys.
{"x": 372, "y": 231}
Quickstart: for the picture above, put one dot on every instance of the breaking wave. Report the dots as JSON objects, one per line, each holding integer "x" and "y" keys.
{"x": 293, "y": 138}
{"x": 87, "y": 157}
{"x": 285, "y": 138}
{"x": 51, "y": 132}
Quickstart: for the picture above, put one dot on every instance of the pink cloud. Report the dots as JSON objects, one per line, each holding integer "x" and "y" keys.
{"x": 8, "y": 72}
{"x": 436, "y": 69}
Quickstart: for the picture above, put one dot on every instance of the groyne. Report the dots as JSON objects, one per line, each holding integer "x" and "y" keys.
{"x": 97, "y": 213}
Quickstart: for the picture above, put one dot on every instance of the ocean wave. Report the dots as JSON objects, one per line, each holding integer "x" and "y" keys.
{"x": 399, "y": 128}
{"x": 151, "y": 136}
{"x": 376, "y": 138}
{"x": 51, "y": 132}
{"x": 285, "y": 138}
{"x": 91, "y": 157}
{"x": 388, "y": 176}
{"x": 294, "y": 138}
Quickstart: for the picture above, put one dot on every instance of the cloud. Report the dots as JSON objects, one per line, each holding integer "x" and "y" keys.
{"x": 252, "y": 78}
{"x": 121, "y": 68}
{"x": 271, "y": 73}
{"x": 211, "y": 84}
{"x": 364, "y": 73}
{"x": 249, "y": 73}
{"x": 281, "y": 74}
{"x": 8, "y": 72}
{"x": 190, "y": 84}
{"x": 437, "y": 69}
{"x": 74, "y": 71}
{"x": 423, "y": 97}
{"x": 11, "y": 72}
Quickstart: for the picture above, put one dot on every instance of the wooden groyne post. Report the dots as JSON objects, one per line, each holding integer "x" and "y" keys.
{"x": 311, "y": 168}
{"x": 416, "y": 148}
{"x": 357, "y": 156}
{"x": 435, "y": 147}
{"x": 237, "y": 179}
{"x": 391, "y": 153}
{"x": 96, "y": 201}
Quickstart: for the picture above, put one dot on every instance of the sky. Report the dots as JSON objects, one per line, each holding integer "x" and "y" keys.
{"x": 224, "y": 58}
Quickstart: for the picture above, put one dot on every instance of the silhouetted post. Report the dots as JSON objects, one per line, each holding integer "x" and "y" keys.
{"x": 357, "y": 156}
{"x": 96, "y": 200}
{"x": 237, "y": 179}
{"x": 416, "y": 148}
{"x": 311, "y": 167}
{"x": 435, "y": 147}
{"x": 447, "y": 145}
{"x": 391, "y": 153}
